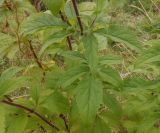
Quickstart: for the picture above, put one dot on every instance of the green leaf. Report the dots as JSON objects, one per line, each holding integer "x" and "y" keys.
{"x": 18, "y": 124}
{"x": 112, "y": 104}
{"x": 86, "y": 8}
{"x": 73, "y": 74}
{"x": 70, "y": 13}
{"x": 112, "y": 119}
{"x": 101, "y": 126}
{"x": 101, "y": 4}
{"x": 102, "y": 41}
{"x": 35, "y": 91}
{"x": 89, "y": 97}
{"x": 122, "y": 35}
{"x": 153, "y": 42}
{"x": 91, "y": 48}
{"x": 74, "y": 55}
{"x": 10, "y": 85}
{"x": 50, "y": 80}
{"x": 56, "y": 103}
{"x": 110, "y": 60}
{"x": 149, "y": 56}
{"x": 110, "y": 76}
{"x": 9, "y": 73}
{"x": 54, "y": 38}
{"x": 8, "y": 45}
{"x": 54, "y": 5}
{"x": 41, "y": 21}
{"x": 9, "y": 82}
{"x": 147, "y": 124}
{"x": 2, "y": 120}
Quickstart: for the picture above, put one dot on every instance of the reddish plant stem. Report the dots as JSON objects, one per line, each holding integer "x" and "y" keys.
{"x": 32, "y": 111}
{"x": 64, "y": 18}
{"x": 37, "y": 6}
{"x": 77, "y": 15}
{"x": 68, "y": 38}
{"x": 36, "y": 59}
{"x": 65, "y": 121}
{"x": 35, "y": 55}
{"x": 8, "y": 98}
{"x": 69, "y": 42}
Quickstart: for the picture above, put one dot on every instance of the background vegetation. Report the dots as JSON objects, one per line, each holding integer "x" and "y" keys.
{"x": 85, "y": 66}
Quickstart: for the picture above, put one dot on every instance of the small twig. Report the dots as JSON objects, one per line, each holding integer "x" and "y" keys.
{"x": 64, "y": 18}
{"x": 37, "y": 60}
{"x": 69, "y": 42}
{"x": 68, "y": 38}
{"x": 31, "y": 111}
{"x": 35, "y": 55}
{"x": 65, "y": 122}
{"x": 77, "y": 15}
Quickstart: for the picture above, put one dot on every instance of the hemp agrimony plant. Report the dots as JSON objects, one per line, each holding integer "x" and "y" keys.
{"x": 72, "y": 81}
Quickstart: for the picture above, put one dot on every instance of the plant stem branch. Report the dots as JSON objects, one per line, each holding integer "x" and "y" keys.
{"x": 32, "y": 111}
{"x": 77, "y": 15}
{"x": 37, "y": 60}
{"x": 35, "y": 55}
{"x": 68, "y": 38}
{"x": 69, "y": 42}
{"x": 65, "y": 121}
